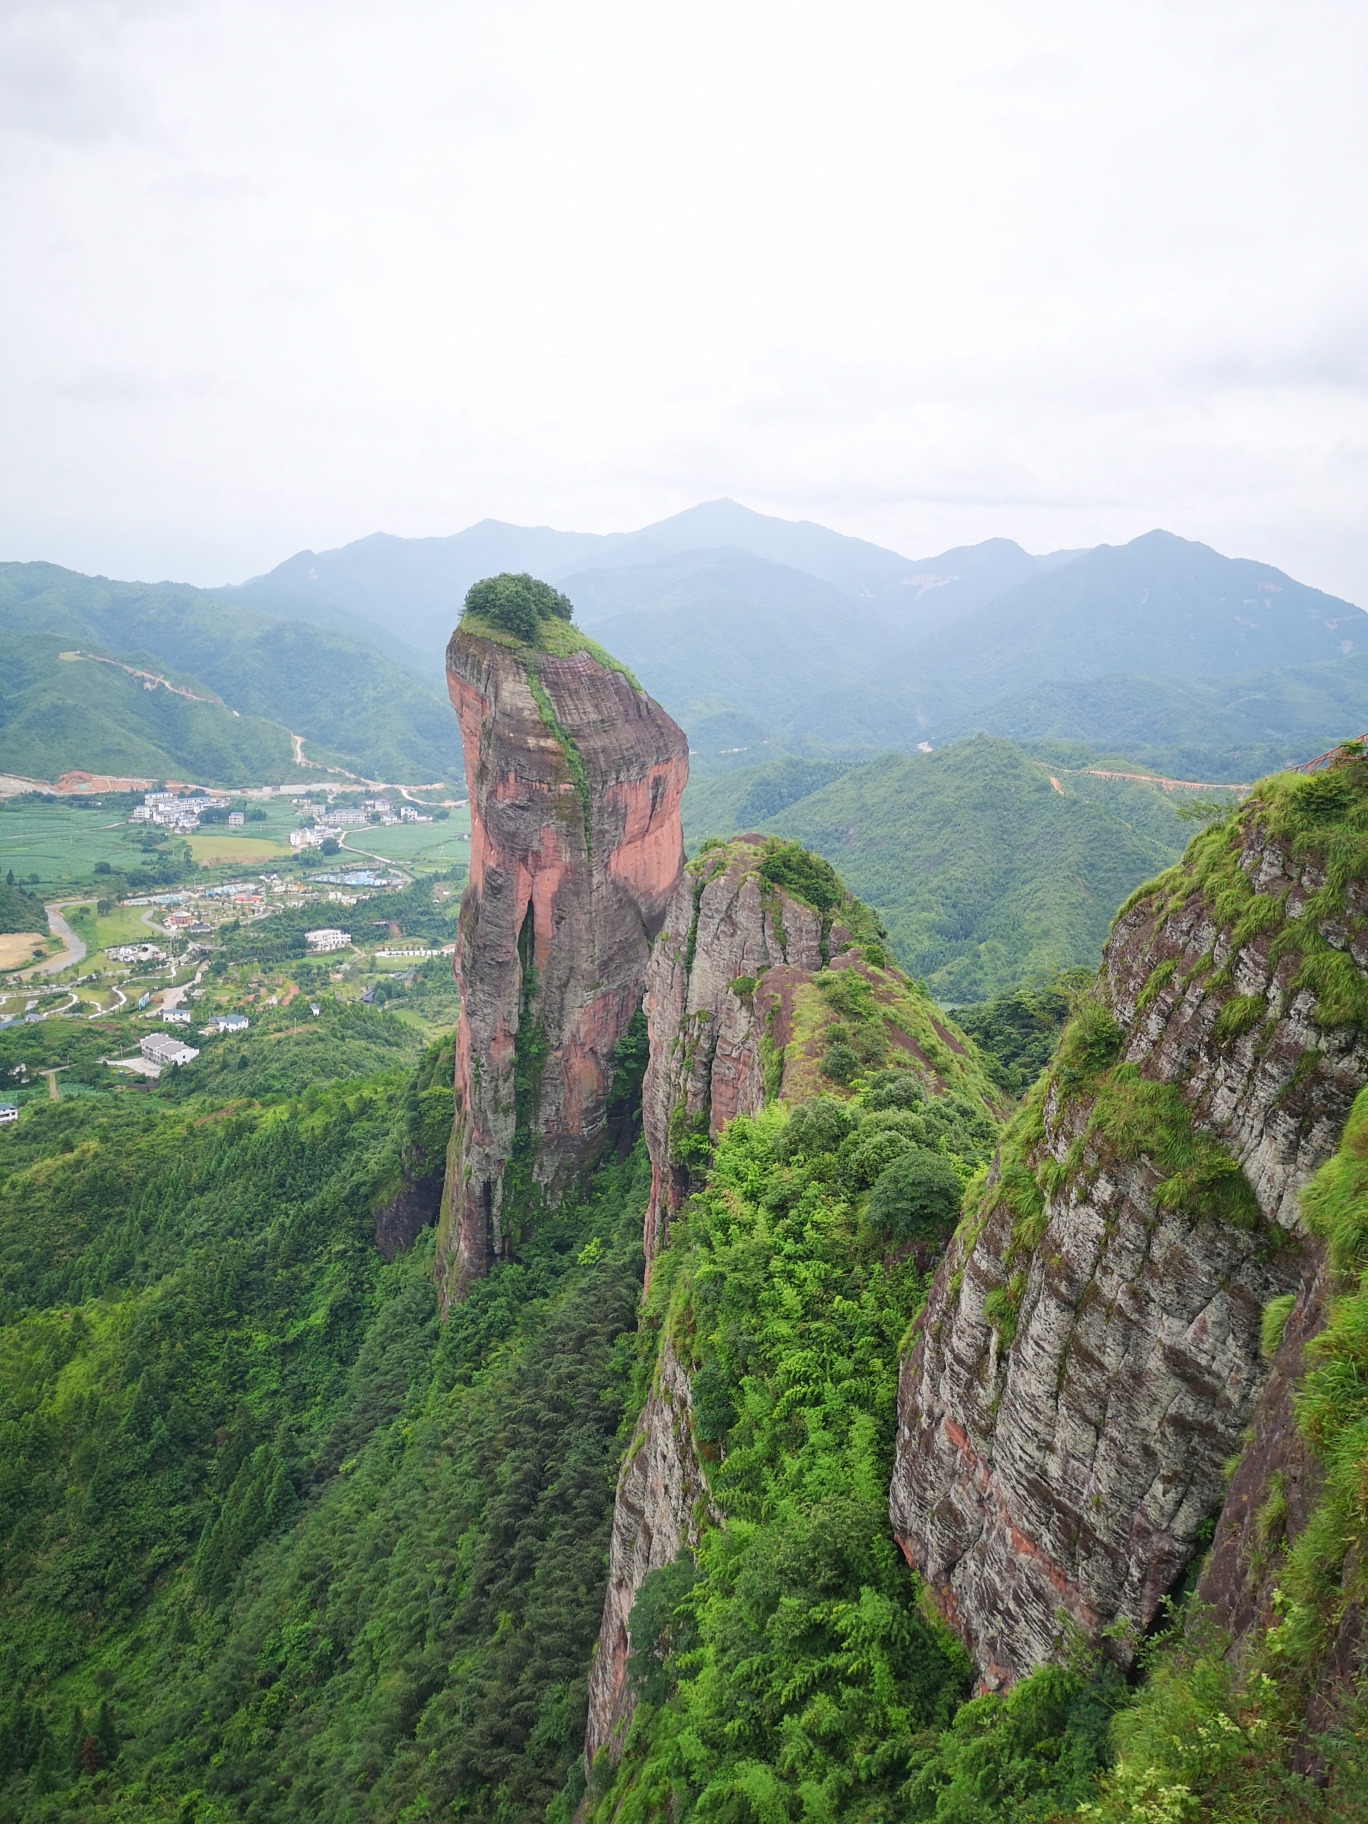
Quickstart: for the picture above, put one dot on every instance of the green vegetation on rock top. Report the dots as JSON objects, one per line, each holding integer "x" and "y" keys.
{"x": 521, "y": 612}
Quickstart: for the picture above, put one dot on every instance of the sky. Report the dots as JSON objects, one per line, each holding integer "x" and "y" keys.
{"x": 275, "y": 276}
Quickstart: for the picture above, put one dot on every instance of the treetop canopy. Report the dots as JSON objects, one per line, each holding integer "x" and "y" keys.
{"x": 517, "y": 604}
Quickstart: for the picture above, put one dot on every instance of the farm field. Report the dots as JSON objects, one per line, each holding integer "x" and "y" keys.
{"x": 57, "y": 842}
{"x": 424, "y": 846}
{"x": 235, "y": 850}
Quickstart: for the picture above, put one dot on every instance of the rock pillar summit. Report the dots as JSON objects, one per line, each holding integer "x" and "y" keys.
{"x": 575, "y": 777}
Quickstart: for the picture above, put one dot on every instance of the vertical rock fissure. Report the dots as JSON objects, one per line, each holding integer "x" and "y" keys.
{"x": 555, "y": 933}
{"x": 570, "y": 748}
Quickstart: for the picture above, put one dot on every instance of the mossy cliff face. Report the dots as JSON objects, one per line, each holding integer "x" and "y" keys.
{"x": 724, "y": 931}
{"x": 1089, "y": 1355}
{"x": 734, "y": 1013}
{"x": 662, "y": 1504}
{"x": 575, "y": 778}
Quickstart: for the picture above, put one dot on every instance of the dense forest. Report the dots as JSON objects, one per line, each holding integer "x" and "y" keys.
{"x": 988, "y": 865}
{"x": 277, "y": 1544}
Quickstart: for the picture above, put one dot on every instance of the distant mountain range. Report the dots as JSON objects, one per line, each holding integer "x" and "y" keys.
{"x": 62, "y": 709}
{"x": 989, "y": 864}
{"x": 767, "y": 637}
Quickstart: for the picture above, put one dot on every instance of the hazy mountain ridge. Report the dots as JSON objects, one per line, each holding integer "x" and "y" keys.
{"x": 770, "y": 637}
{"x": 282, "y": 677}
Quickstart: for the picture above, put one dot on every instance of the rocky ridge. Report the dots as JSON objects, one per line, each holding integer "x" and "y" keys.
{"x": 745, "y": 989}
{"x": 574, "y": 777}
{"x": 662, "y": 1504}
{"x": 1089, "y": 1355}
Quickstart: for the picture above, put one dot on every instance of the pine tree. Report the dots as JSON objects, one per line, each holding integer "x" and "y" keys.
{"x": 106, "y": 1734}
{"x": 76, "y": 1734}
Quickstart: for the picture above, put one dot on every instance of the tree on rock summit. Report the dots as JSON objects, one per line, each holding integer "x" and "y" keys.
{"x": 517, "y": 604}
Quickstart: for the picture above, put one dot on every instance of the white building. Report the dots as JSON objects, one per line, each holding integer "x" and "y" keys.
{"x": 338, "y": 818}
{"x": 310, "y": 836}
{"x": 161, "y": 1048}
{"x": 236, "y": 819}
{"x": 232, "y": 1022}
{"x": 329, "y": 939}
{"x": 176, "y": 1016}
{"x": 8, "y": 1112}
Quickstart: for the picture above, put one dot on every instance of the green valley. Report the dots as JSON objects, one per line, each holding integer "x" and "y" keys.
{"x": 990, "y": 866}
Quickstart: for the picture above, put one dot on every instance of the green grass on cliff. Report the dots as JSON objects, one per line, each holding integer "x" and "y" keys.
{"x": 562, "y": 639}
{"x": 797, "y": 1672}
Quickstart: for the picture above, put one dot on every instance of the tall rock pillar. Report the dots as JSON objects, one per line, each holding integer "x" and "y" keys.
{"x": 575, "y": 778}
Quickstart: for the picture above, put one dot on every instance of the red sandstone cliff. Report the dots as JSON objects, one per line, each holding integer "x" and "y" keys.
{"x": 575, "y": 778}
{"x": 1082, "y": 1373}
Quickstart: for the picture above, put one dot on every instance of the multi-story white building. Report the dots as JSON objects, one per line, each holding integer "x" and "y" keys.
{"x": 161, "y": 1048}
{"x": 330, "y": 939}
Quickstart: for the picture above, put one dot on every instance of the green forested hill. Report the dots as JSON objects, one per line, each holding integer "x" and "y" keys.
{"x": 356, "y": 704}
{"x": 60, "y": 715}
{"x": 271, "y": 1540}
{"x": 985, "y": 873}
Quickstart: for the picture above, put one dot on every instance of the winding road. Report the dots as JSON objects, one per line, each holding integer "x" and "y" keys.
{"x": 59, "y": 927}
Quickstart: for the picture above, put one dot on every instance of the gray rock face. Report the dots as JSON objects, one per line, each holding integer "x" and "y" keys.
{"x": 1065, "y": 1474}
{"x": 662, "y": 1501}
{"x": 575, "y": 779}
{"x": 706, "y": 1054}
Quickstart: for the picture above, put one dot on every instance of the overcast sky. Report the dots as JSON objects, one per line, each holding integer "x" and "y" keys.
{"x": 279, "y": 275}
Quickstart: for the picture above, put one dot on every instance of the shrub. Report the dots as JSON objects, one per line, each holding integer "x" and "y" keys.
{"x": 814, "y": 1127}
{"x": 916, "y": 1196}
{"x": 517, "y": 604}
{"x": 865, "y": 1156}
{"x": 842, "y": 1064}
{"x": 805, "y": 875}
{"x": 894, "y": 1089}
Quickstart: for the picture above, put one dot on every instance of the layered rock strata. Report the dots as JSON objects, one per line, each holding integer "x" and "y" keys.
{"x": 709, "y": 995}
{"x": 574, "y": 778}
{"x": 1080, "y": 1377}
{"x": 662, "y": 1503}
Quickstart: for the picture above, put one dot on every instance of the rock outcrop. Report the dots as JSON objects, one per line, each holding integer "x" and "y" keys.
{"x": 1088, "y": 1357}
{"x": 747, "y": 987}
{"x": 709, "y": 996}
{"x": 574, "y": 777}
{"x": 662, "y": 1503}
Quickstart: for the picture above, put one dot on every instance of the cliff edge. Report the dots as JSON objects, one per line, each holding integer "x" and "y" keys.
{"x": 1089, "y": 1355}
